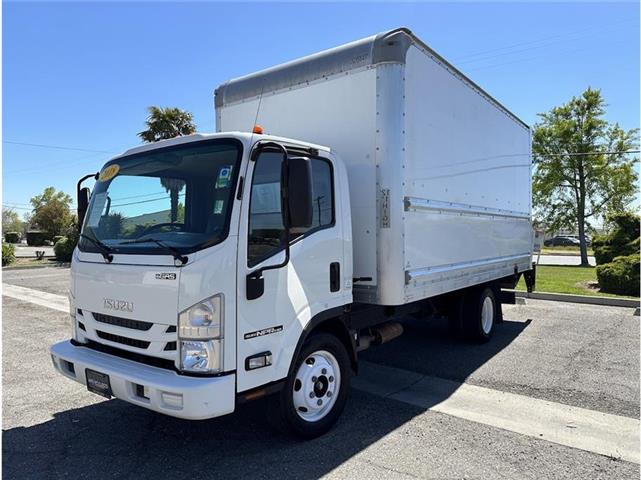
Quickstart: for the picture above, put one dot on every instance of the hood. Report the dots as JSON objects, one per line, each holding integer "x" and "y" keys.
{"x": 148, "y": 293}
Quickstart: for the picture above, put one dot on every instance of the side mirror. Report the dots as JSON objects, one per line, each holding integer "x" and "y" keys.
{"x": 298, "y": 213}
{"x": 83, "y": 204}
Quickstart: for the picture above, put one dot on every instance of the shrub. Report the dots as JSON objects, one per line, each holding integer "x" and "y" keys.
{"x": 36, "y": 238}
{"x": 621, "y": 275}
{"x": 626, "y": 224}
{"x": 64, "y": 249}
{"x": 12, "y": 237}
{"x": 622, "y": 241}
{"x": 57, "y": 237}
{"x": 8, "y": 254}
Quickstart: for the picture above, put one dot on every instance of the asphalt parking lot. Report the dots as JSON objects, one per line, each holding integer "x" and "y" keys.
{"x": 561, "y": 357}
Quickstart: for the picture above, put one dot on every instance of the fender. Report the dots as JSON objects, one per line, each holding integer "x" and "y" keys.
{"x": 337, "y": 320}
{"x": 334, "y": 320}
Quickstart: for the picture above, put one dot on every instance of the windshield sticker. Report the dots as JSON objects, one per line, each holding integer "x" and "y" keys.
{"x": 224, "y": 176}
{"x": 109, "y": 172}
{"x": 218, "y": 207}
{"x": 96, "y": 210}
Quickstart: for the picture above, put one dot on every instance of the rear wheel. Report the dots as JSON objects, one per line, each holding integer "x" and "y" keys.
{"x": 314, "y": 396}
{"x": 480, "y": 314}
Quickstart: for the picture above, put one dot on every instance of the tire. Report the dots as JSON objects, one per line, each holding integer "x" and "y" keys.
{"x": 480, "y": 314}
{"x": 296, "y": 409}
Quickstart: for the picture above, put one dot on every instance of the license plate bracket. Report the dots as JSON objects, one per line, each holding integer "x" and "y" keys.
{"x": 98, "y": 383}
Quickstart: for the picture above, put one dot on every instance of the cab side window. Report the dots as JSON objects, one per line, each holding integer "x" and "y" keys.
{"x": 266, "y": 229}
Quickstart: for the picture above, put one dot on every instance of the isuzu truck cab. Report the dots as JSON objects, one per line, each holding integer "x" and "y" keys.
{"x": 214, "y": 269}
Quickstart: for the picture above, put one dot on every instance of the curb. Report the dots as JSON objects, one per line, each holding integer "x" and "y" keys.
{"x": 565, "y": 297}
{"x": 561, "y": 254}
{"x": 35, "y": 267}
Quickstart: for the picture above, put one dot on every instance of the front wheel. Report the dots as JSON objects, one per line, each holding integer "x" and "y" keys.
{"x": 315, "y": 394}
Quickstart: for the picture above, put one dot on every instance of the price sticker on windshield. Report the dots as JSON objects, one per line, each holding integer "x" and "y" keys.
{"x": 109, "y": 172}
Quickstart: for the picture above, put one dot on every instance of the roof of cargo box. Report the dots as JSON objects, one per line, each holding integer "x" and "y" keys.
{"x": 390, "y": 46}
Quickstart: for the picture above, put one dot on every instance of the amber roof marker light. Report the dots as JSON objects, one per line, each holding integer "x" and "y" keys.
{"x": 258, "y": 129}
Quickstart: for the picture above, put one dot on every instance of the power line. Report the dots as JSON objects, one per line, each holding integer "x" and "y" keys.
{"x": 69, "y": 162}
{"x": 577, "y": 154}
{"x": 537, "y": 57}
{"x": 542, "y": 42}
{"x": 56, "y": 147}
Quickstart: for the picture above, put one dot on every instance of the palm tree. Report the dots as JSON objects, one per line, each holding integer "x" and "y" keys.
{"x": 164, "y": 123}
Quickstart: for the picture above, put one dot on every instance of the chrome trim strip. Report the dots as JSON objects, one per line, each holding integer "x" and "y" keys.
{"x": 415, "y": 273}
{"x": 415, "y": 204}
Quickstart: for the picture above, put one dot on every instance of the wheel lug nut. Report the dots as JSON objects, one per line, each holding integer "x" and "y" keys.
{"x": 324, "y": 371}
{"x": 311, "y": 394}
{"x": 329, "y": 393}
{"x": 331, "y": 379}
{"x": 314, "y": 379}
{"x": 319, "y": 403}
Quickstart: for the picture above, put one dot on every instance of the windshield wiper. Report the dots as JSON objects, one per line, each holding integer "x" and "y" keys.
{"x": 104, "y": 249}
{"x": 174, "y": 251}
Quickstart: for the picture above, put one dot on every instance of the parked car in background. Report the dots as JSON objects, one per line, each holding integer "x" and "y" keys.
{"x": 588, "y": 240}
{"x": 560, "y": 241}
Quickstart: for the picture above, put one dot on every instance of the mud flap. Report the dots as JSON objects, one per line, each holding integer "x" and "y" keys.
{"x": 530, "y": 278}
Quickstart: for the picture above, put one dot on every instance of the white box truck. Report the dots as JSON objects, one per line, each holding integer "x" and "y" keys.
{"x": 218, "y": 268}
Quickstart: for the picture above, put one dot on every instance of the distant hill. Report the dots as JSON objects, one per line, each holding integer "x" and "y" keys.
{"x": 157, "y": 217}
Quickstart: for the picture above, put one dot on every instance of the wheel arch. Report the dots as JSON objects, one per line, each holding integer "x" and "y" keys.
{"x": 334, "y": 322}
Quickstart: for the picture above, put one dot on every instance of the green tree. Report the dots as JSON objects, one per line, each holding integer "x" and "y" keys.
{"x": 164, "y": 123}
{"x": 11, "y": 221}
{"x": 575, "y": 181}
{"x": 51, "y": 212}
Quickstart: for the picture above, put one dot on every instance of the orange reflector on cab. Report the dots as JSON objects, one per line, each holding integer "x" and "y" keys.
{"x": 258, "y": 129}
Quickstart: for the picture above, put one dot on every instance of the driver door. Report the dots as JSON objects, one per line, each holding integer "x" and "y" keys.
{"x": 274, "y": 321}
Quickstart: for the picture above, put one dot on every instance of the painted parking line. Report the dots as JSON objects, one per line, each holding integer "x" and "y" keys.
{"x": 37, "y": 297}
{"x": 576, "y": 427}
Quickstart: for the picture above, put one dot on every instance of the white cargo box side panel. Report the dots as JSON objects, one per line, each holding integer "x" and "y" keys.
{"x": 338, "y": 112}
{"x": 467, "y": 183}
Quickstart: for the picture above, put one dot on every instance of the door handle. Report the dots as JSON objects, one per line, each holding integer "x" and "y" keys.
{"x": 334, "y": 277}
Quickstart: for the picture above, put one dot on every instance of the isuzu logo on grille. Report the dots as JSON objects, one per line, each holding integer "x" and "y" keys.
{"x": 121, "y": 305}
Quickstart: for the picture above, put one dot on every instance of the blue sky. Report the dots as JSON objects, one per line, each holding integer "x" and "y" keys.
{"x": 80, "y": 75}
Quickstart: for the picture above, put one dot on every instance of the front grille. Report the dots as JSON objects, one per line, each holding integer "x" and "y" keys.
{"x": 122, "y": 322}
{"x": 170, "y": 346}
{"x": 131, "y": 342}
{"x": 136, "y": 357}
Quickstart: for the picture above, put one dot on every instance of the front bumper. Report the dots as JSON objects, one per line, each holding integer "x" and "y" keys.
{"x": 192, "y": 398}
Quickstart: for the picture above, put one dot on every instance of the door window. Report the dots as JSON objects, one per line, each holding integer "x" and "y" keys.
{"x": 266, "y": 229}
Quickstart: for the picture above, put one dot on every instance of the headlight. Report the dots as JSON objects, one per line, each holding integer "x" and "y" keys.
{"x": 200, "y": 336}
{"x": 201, "y": 356}
{"x": 203, "y": 320}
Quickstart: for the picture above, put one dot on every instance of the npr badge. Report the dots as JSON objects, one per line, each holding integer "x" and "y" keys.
{"x": 264, "y": 331}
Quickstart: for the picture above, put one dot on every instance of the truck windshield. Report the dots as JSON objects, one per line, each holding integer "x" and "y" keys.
{"x": 177, "y": 197}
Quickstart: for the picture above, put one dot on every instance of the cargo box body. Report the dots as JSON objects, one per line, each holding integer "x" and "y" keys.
{"x": 439, "y": 172}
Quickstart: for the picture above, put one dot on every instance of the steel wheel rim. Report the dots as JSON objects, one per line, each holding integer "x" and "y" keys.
{"x": 316, "y": 386}
{"x": 487, "y": 315}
